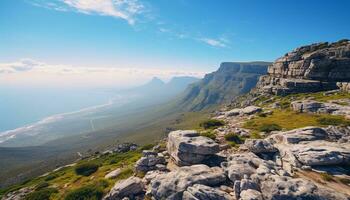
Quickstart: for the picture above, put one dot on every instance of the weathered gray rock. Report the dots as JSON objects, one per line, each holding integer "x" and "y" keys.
{"x": 126, "y": 188}
{"x": 300, "y": 135}
{"x": 322, "y": 153}
{"x": 17, "y": 195}
{"x": 150, "y": 161}
{"x": 311, "y": 68}
{"x": 344, "y": 86}
{"x": 203, "y": 192}
{"x": 251, "y": 195}
{"x": 233, "y": 112}
{"x": 113, "y": 174}
{"x": 239, "y": 165}
{"x": 286, "y": 188}
{"x": 187, "y": 147}
{"x": 312, "y": 106}
{"x": 171, "y": 185}
{"x": 249, "y": 110}
{"x": 259, "y": 146}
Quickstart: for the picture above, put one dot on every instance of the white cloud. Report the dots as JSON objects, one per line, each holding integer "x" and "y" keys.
{"x": 215, "y": 42}
{"x": 127, "y": 10}
{"x": 31, "y": 72}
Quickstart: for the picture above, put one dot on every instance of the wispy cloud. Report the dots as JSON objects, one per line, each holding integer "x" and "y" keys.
{"x": 127, "y": 10}
{"x": 215, "y": 42}
{"x": 42, "y": 73}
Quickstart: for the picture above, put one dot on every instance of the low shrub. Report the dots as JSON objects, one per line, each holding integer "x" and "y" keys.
{"x": 234, "y": 138}
{"x": 147, "y": 147}
{"x": 51, "y": 177}
{"x": 86, "y": 169}
{"x": 43, "y": 194}
{"x": 326, "y": 177}
{"x": 269, "y": 127}
{"x": 333, "y": 120}
{"x": 41, "y": 185}
{"x": 211, "y": 124}
{"x": 209, "y": 134}
{"x": 345, "y": 181}
{"x": 89, "y": 192}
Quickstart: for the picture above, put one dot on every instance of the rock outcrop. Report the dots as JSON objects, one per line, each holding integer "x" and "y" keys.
{"x": 172, "y": 185}
{"x": 126, "y": 188}
{"x": 310, "y": 68}
{"x": 187, "y": 147}
{"x": 150, "y": 161}
{"x": 312, "y": 106}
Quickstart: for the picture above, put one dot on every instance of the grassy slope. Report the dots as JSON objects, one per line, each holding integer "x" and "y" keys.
{"x": 288, "y": 119}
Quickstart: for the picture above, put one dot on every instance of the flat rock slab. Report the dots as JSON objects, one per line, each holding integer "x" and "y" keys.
{"x": 126, "y": 188}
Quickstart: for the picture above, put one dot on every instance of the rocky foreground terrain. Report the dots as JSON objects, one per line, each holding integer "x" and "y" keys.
{"x": 275, "y": 143}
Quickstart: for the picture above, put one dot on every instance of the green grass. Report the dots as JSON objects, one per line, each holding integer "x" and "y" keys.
{"x": 43, "y": 194}
{"x": 269, "y": 127}
{"x": 326, "y": 177}
{"x": 234, "y": 139}
{"x": 89, "y": 192}
{"x": 86, "y": 169}
{"x": 344, "y": 181}
{"x": 66, "y": 180}
{"x": 287, "y": 120}
{"x": 211, "y": 123}
{"x": 209, "y": 134}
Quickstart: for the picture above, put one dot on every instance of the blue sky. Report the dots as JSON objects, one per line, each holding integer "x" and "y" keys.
{"x": 187, "y": 35}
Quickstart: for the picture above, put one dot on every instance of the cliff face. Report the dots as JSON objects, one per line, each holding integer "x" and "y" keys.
{"x": 229, "y": 81}
{"x": 310, "y": 68}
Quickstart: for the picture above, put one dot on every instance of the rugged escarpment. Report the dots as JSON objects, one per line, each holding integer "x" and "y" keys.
{"x": 310, "y": 68}
{"x": 230, "y": 80}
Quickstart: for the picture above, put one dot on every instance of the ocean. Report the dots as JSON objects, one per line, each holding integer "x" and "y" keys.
{"x": 23, "y": 106}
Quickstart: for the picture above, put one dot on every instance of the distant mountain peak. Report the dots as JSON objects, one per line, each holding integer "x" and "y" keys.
{"x": 156, "y": 80}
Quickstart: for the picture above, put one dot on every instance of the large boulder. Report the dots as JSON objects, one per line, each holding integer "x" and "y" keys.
{"x": 187, "y": 147}
{"x": 172, "y": 185}
{"x": 259, "y": 146}
{"x": 113, "y": 174}
{"x": 203, "y": 192}
{"x": 126, "y": 188}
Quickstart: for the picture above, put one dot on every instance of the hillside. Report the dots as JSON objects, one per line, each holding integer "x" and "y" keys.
{"x": 263, "y": 146}
{"x": 221, "y": 86}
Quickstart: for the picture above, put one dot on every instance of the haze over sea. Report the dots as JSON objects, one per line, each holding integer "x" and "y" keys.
{"x": 26, "y": 105}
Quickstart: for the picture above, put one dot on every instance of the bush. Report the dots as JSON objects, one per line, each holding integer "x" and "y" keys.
{"x": 51, "y": 177}
{"x": 234, "y": 138}
{"x": 43, "y": 194}
{"x": 269, "y": 127}
{"x": 211, "y": 124}
{"x": 41, "y": 185}
{"x": 333, "y": 120}
{"x": 86, "y": 169}
{"x": 147, "y": 147}
{"x": 208, "y": 134}
{"x": 89, "y": 192}
{"x": 345, "y": 181}
{"x": 326, "y": 177}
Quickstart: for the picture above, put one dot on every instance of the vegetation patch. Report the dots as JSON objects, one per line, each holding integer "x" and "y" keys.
{"x": 209, "y": 134}
{"x": 86, "y": 169}
{"x": 345, "y": 181}
{"x": 326, "y": 177}
{"x": 89, "y": 192}
{"x": 211, "y": 124}
{"x": 333, "y": 120}
{"x": 234, "y": 139}
{"x": 269, "y": 128}
{"x": 41, "y": 185}
{"x": 43, "y": 194}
